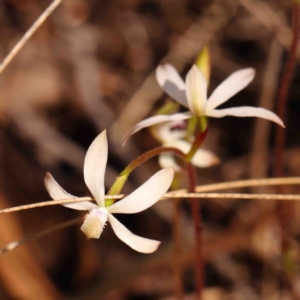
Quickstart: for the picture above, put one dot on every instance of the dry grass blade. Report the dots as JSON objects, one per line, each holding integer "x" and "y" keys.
{"x": 246, "y": 183}
{"x": 13, "y": 245}
{"x": 200, "y": 193}
{"x": 29, "y": 34}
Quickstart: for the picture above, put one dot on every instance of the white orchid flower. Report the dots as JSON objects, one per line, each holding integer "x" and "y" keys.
{"x": 193, "y": 95}
{"x": 142, "y": 198}
{"x": 172, "y": 134}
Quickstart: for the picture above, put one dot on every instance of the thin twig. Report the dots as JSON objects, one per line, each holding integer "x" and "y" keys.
{"x": 13, "y": 245}
{"x": 245, "y": 196}
{"x": 204, "y": 188}
{"x": 246, "y": 183}
{"x": 29, "y": 34}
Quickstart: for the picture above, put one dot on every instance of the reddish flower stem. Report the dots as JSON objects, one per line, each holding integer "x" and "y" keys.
{"x": 282, "y": 208}
{"x": 196, "y": 213}
{"x": 197, "y": 220}
{"x": 283, "y": 92}
{"x": 177, "y": 250}
{"x": 150, "y": 154}
{"x": 281, "y": 111}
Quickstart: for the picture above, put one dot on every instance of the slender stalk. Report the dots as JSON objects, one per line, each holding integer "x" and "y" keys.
{"x": 196, "y": 205}
{"x": 150, "y": 154}
{"x": 284, "y": 89}
{"x": 280, "y": 138}
{"x": 29, "y": 34}
{"x": 177, "y": 265}
{"x": 177, "y": 250}
{"x": 33, "y": 236}
{"x": 196, "y": 144}
{"x": 196, "y": 213}
{"x": 121, "y": 180}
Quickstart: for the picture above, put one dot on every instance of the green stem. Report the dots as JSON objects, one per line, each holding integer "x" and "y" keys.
{"x": 121, "y": 180}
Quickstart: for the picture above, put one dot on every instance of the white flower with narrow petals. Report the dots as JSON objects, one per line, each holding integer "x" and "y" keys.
{"x": 172, "y": 134}
{"x": 142, "y": 198}
{"x": 193, "y": 95}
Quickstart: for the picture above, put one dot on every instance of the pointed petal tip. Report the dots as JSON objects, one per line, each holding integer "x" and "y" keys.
{"x": 196, "y": 91}
{"x": 195, "y": 69}
{"x": 281, "y": 124}
{"x": 163, "y": 67}
{"x": 153, "y": 248}
{"x": 169, "y": 173}
{"x": 214, "y": 161}
{"x": 102, "y": 135}
{"x": 250, "y": 73}
{"x": 47, "y": 176}
{"x": 249, "y": 70}
{"x": 48, "y": 180}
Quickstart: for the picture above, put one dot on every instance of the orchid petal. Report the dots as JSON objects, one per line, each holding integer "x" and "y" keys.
{"x": 56, "y": 192}
{"x": 204, "y": 159}
{"x": 94, "y": 167}
{"x": 146, "y": 195}
{"x": 136, "y": 242}
{"x": 246, "y": 111}
{"x": 229, "y": 87}
{"x": 196, "y": 91}
{"x": 155, "y": 120}
{"x": 201, "y": 159}
{"x": 171, "y": 82}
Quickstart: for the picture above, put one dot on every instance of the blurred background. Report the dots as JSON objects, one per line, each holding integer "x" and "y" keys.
{"x": 90, "y": 67}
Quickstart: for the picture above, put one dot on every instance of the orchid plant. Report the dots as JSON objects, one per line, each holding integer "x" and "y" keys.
{"x": 177, "y": 138}
{"x": 142, "y": 198}
{"x": 192, "y": 94}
